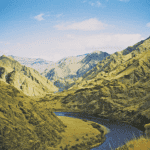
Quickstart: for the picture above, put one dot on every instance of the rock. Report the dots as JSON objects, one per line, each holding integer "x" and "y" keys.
{"x": 147, "y": 130}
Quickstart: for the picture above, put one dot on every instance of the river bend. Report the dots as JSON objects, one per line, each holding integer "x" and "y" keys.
{"x": 119, "y": 132}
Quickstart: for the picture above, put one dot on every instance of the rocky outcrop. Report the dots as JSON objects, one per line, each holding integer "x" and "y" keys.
{"x": 2, "y": 72}
{"x": 147, "y": 130}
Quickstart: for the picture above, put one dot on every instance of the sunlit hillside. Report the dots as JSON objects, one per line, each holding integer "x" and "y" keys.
{"x": 117, "y": 88}
{"x": 24, "y": 124}
{"x": 140, "y": 143}
{"x": 24, "y": 78}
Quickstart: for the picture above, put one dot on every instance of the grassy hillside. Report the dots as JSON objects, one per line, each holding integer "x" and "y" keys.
{"x": 24, "y": 124}
{"x": 140, "y": 143}
{"x": 117, "y": 88}
{"x": 23, "y": 78}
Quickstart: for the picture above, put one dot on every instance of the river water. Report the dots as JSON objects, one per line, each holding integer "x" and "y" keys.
{"x": 119, "y": 133}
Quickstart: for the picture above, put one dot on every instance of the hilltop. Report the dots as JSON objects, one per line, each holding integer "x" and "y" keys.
{"x": 24, "y": 78}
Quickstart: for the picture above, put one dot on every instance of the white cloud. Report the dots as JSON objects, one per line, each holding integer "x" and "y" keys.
{"x": 39, "y": 17}
{"x": 148, "y": 25}
{"x": 54, "y": 57}
{"x": 88, "y": 25}
{"x": 124, "y": 0}
{"x": 54, "y": 49}
{"x": 5, "y": 43}
{"x": 4, "y": 52}
{"x": 59, "y": 15}
{"x": 96, "y": 4}
{"x": 91, "y": 3}
{"x": 104, "y": 42}
{"x": 84, "y": 1}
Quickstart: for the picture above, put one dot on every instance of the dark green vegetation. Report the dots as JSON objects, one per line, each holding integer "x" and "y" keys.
{"x": 24, "y": 125}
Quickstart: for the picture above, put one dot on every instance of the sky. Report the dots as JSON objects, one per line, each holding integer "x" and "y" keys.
{"x": 54, "y": 29}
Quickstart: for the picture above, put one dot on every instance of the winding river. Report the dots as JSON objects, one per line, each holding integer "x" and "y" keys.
{"x": 119, "y": 132}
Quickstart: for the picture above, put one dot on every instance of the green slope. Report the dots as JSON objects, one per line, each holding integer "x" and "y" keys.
{"x": 27, "y": 124}
{"x": 24, "y": 125}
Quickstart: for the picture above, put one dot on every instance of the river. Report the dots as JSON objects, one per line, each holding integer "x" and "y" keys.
{"x": 119, "y": 132}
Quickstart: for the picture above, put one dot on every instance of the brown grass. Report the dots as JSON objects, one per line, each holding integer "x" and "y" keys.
{"x": 140, "y": 143}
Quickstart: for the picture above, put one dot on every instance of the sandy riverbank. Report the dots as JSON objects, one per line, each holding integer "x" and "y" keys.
{"x": 81, "y": 134}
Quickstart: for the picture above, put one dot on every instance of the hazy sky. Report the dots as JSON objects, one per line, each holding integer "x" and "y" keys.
{"x": 53, "y": 29}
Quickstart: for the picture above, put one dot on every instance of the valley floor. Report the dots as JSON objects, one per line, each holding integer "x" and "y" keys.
{"x": 81, "y": 134}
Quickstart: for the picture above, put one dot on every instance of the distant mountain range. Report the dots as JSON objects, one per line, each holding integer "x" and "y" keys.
{"x": 36, "y": 63}
{"x": 64, "y": 72}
